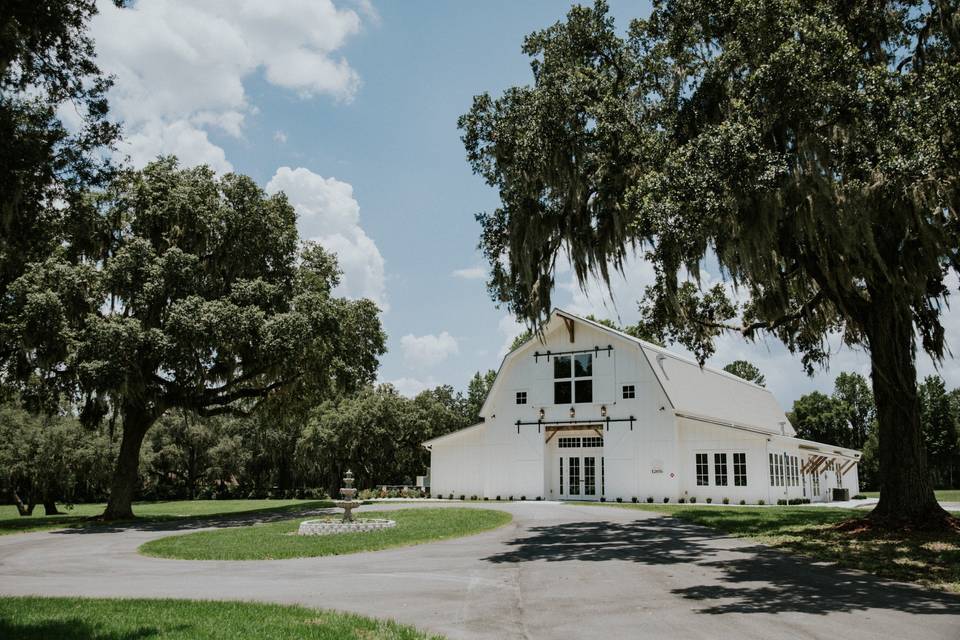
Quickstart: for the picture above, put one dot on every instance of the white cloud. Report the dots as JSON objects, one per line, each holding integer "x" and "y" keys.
{"x": 279, "y": 136}
{"x": 411, "y": 387}
{"x": 470, "y": 273}
{"x": 329, "y": 214}
{"x": 423, "y": 352}
{"x": 594, "y": 298}
{"x": 180, "y": 66}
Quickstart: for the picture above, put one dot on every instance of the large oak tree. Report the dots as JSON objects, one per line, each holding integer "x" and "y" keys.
{"x": 196, "y": 295}
{"x": 808, "y": 149}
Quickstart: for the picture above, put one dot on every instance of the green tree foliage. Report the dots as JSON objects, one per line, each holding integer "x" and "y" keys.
{"x": 807, "y": 149}
{"x": 746, "y": 370}
{"x": 199, "y": 297}
{"x": 817, "y": 416}
{"x": 47, "y": 64}
{"x": 377, "y": 434}
{"x": 50, "y": 458}
{"x": 477, "y": 390}
{"x": 854, "y": 392}
{"x": 521, "y": 339}
{"x": 939, "y": 431}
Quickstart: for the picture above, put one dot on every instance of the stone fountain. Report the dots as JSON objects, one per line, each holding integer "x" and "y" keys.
{"x": 347, "y": 523}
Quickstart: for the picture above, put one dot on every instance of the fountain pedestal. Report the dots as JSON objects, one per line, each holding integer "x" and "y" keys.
{"x": 347, "y": 523}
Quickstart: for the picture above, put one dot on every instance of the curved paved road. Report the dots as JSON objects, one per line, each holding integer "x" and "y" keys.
{"x": 557, "y": 571}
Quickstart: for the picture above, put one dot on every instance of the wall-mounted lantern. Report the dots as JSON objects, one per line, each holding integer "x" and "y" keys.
{"x": 542, "y": 413}
{"x": 573, "y": 413}
{"x": 603, "y": 411}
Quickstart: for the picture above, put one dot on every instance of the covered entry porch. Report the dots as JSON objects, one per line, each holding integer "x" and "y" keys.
{"x": 574, "y": 462}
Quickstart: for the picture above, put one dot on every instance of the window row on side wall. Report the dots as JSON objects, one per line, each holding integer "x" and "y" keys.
{"x": 720, "y": 475}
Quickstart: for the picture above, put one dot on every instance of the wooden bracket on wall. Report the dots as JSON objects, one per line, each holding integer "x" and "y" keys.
{"x": 847, "y": 467}
{"x": 570, "y": 326}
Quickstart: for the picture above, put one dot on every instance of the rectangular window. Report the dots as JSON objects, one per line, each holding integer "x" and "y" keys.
{"x": 592, "y": 441}
{"x": 561, "y": 475}
{"x": 780, "y": 470}
{"x": 603, "y": 478}
{"x": 703, "y": 470}
{"x": 773, "y": 472}
{"x": 629, "y": 391}
{"x": 568, "y": 443}
{"x": 583, "y": 365}
{"x": 740, "y": 469}
{"x": 573, "y": 381}
{"x": 720, "y": 469}
{"x": 590, "y": 476}
{"x": 574, "y": 469}
{"x": 584, "y": 389}
{"x": 521, "y": 397}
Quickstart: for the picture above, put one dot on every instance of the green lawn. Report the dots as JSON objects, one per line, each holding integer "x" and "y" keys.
{"x": 943, "y": 495}
{"x": 118, "y": 619}
{"x": 277, "y": 540}
{"x": 79, "y": 515}
{"x": 927, "y": 559}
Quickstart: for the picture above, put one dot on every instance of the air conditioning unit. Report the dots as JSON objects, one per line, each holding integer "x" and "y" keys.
{"x": 841, "y": 495}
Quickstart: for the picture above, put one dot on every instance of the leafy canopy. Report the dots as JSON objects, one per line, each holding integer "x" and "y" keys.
{"x": 746, "y": 370}
{"x": 198, "y": 296}
{"x": 809, "y": 150}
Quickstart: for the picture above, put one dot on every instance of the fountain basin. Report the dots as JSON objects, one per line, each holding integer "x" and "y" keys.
{"x": 330, "y": 526}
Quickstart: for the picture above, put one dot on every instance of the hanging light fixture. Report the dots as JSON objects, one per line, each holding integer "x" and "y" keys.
{"x": 603, "y": 411}
{"x": 542, "y": 413}
{"x": 573, "y": 413}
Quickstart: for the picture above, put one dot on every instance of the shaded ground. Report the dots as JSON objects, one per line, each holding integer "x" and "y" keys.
{"x": 932, "y": 560}
{"x": 557, "y": 571}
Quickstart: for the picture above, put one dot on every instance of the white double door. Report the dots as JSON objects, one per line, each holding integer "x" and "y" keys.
{"x": 580, "y": 476}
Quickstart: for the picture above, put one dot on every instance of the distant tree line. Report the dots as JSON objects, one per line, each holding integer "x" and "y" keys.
{"x": 279, "y": 451}
{"x": 848, "y": 418}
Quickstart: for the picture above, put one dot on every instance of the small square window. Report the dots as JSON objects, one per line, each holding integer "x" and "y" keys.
{"x": 521, "y": 397}
{"x": 561, "y": 367}
{"x": 629, "y": 391}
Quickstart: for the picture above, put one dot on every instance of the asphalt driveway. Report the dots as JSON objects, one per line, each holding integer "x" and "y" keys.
{"x": 557, "y": 571}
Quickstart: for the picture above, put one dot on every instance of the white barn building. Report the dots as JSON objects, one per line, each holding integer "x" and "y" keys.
{"x": 590, "y": 413}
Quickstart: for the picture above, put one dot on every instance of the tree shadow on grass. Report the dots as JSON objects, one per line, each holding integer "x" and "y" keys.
{"x": 73, "y": 629}
{"x": 743, "y": 578}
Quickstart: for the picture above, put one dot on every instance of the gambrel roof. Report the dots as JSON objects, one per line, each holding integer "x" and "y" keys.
{"x": 694, "y": 391}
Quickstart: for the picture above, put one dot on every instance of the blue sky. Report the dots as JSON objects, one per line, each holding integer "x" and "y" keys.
{"x": 351, "y": 108}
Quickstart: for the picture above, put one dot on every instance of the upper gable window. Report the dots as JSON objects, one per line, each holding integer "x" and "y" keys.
{"x": 629, "y": 391}
{"x": 573, "y": 379}
{"x": 521, "y": 397}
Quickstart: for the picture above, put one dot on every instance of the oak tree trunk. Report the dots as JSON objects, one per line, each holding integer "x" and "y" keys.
{"x": 125, "y": 475}
{"x": 906, "y": 491}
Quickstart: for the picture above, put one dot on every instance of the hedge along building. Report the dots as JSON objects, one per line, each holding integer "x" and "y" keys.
{"x": 586, "y": 412}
